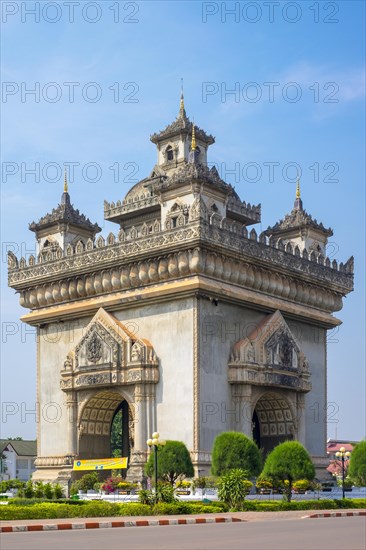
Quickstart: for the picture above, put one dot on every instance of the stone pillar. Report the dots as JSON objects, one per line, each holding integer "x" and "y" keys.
{"x": 71, "y": 403}
{"x": 242, "y": 401}
{"x": 300, "y": 421}
{"x": 151, "y": 411}
{"x": 139, "y": 452}
{"x": 140, "y": 418}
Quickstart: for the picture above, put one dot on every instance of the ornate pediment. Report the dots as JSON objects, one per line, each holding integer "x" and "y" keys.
{"x": 270, "y": 355}
{"x": 107, "y": 354}
{"x": 199, "y": 210}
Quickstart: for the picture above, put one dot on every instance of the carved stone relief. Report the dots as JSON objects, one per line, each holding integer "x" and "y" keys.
{"x": 270, "y": 356}
{"x": 94, "y": 349}
{"x": 101, "y": 358}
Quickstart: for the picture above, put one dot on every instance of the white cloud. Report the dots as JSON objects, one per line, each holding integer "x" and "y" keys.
{"x": 351, "y": 81}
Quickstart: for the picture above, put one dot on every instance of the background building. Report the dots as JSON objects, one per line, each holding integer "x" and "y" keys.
{"x": 18, "y": 461}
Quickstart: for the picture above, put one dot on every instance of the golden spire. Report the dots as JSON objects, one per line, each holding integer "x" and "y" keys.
{"x": 193, "y": 143}
{"x": 65, "y": 183}
{"x": 181, "y": 109}
{"x": 181, "y": 102}
{"x": 298, "y": 188}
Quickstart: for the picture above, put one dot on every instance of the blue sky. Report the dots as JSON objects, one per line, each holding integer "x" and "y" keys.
{"x": 298, "y": 76}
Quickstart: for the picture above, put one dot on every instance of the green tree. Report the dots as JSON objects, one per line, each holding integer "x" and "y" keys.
{"x": 232, "y": 450}
{"x": 174, "y": 462}
{"x": 288, "y": 462}
{"x": 116, "y": 435}
{"x": 357, "y": 464}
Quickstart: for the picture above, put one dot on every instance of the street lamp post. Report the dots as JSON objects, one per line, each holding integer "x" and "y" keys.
{"x": 155, "y": 442}
{"x": 343, "y": 455}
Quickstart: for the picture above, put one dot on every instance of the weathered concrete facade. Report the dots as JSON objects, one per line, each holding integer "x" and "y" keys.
{"x": 186, "y": 319}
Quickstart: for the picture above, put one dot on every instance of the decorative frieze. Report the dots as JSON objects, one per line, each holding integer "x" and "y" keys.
{"x": 261, "y": 376}
{"x": 53, "y": 461}
{"x": 190, "y": 262}
{"x": 247, "y": 261}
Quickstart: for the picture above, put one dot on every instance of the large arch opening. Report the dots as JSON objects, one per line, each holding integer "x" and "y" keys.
{"x": 106, "y": 427}
{"x": 272, "y": 422}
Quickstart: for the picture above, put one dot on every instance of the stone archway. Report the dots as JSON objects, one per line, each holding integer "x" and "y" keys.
{"x": 110, "y": 365}
{"x": 95, "y": 424}
{"x": 272, "y": 421}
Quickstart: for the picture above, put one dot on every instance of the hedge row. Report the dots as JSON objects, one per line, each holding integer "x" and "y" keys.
{"x": 31, "y": 501}
{"x": 46, "y": 510}
{"x": 280, "y": 505}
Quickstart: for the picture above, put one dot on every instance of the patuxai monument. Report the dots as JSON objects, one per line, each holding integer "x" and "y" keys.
{"x": 183, "y": 316}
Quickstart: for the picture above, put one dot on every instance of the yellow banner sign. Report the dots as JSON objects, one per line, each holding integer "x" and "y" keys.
{"x": 101, "y": 464}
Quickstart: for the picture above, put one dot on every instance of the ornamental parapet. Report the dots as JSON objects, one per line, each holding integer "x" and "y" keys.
{"x": 132, "y": 204}
{"x": 226, "y": 252}
{"x": 236, "y": 207}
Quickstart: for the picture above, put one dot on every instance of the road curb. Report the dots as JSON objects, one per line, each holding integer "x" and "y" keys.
{"x": 110, "y": 524}
{"x": 336, "y": 514}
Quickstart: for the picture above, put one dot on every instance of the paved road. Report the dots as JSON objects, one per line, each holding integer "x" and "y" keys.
{"x": 320, "y": 534}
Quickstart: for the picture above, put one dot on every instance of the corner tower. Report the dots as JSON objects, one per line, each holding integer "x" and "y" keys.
{"x": 62, "y": 227}
{"x": 300, "y": 229}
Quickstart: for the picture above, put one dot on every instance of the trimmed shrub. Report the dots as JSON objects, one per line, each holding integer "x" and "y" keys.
{"x": 351, "y": 503}
{"x": 233, "y": 450}
{"x": 357, "y": 465}
{"x": 164, "y": 508}
{"x": 288, "y": 462}
{"x": 31, "y": 501}
{"x": 134, "y": 509}
{"x": 174, "y": 462}
{"x": 53, "y": 510}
